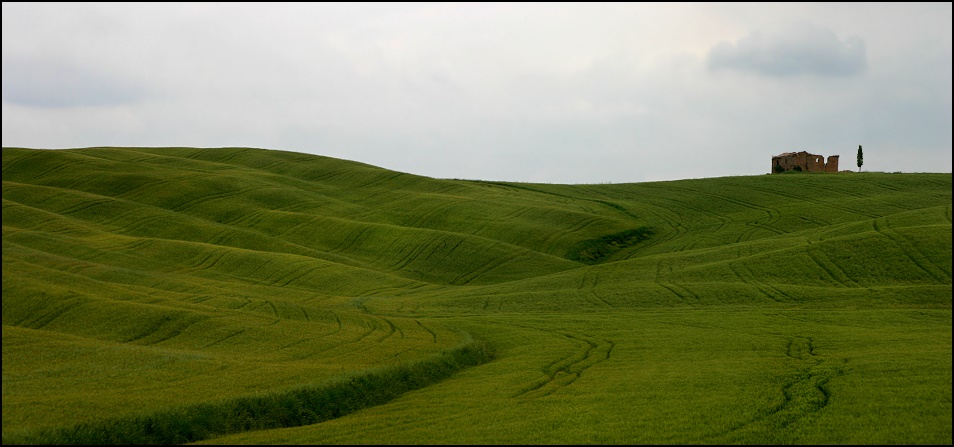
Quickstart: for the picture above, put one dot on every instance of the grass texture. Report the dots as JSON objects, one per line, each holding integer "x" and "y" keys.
{"x": 236, "y": 295}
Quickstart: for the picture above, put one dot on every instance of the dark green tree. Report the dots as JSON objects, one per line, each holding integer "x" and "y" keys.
{"x": 861, "y": 158}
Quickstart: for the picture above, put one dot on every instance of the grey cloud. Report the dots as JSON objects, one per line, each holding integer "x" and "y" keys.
{"x": 464, "y": 91}
{"x": 804, "y": 49}
{"x": 37, "y": 82}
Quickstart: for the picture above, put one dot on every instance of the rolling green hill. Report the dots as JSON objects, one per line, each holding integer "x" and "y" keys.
{"x": 150, "y": 291}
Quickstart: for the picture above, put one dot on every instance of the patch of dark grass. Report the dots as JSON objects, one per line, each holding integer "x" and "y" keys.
{"x": 594, "y": 251}
{"x": 302, "y": 406}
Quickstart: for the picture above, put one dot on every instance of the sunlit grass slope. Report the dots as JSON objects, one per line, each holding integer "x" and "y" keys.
{"x": 761, "y": 309}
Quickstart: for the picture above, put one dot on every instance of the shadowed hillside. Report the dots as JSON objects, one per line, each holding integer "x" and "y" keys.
{"x": 141, "y": 281}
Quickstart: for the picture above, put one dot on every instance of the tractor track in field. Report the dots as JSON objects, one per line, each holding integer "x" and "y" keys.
{"x": 803, "y": 391}
{"x": 54, "y": 169}
{"x": 165, "y": 328}
{"x": 372, "y": 324}
{"x": 85, "y": 205}
{"x": 562, "y": 372}
{"x": 139, "y": 189}
{"x": 675, "y": 224}
{"x": 183, "y": 206}
{"x": 772, "y": 215}
{"x": 587, "y": 288}
{"x": 49, "y": 313}
{"x": 135, "y": 224}
{"x": 230, "y": 335}
{"x": 811, "y": 199}
{"x": 475, "y": 272}
{"x": 910, "y": 250}
{"x": 744, "y": 273}
{"x": 831, "y": 268}
{"x": 433, "y": 334}
{"x": 309, "y": 221}
{"x": 685, "y": 295}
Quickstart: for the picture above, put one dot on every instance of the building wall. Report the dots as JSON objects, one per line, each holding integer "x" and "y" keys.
{"x": 832, "y": 164}
{"x": 803, "y": 161}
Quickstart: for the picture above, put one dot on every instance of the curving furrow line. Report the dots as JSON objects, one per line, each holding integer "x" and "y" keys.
{"x": 433, "y": 334}
{"x": 128, "y": 156}
{"x": 226, "y": 337}
{"x": 268, "y": 167}
{"x": 520, "y": 211}
{"x": 838, "y": 206}
{"x": 181, "y": 207}
{"x": 411, "y": 254}
{"x": 745, "y": 275}
{"x": 123, "y": 220}
{"x": 380, "y": 179}
{"x": 165, "y": 328}
{"x": 250, "y": 219}
{"x": 59, "y": 167}
{"x": 210, "y": 259}
{"x": 675, "y": 224}
{"x": 234, "y": 153}
{"x": 421, "y": 219}
{"x": 139, "y": 189}
{"x": 336, "y": 329}
{"x": 274, "y": 309}
{"x": 492, "y": 262}
{"x": 353, "y": 238}
{"x": 289, "y": 311}
{"x": 370, "y": 327}
{"x": 564, "y": 371}
{"x": 587, "y": 288}
{"x": 286, "y": 272}
{"x": 292, "y": 276}
{"x": 911, "y": 251}
{"x": 723, "y": 220}
{"x": 803, "y": 392}
{"x": 48, "y": 314}
{"x": 392, "y": 329}
{"x": 773, "y": 292}
{"x": 311, "y": 222}
{"x": 773, "y": 215}
{"x": 136, "y": 226}
{"x": 223, "y": 237}
{"x": 825, "y": 265}
{"x": 36, "y": 224}
{"x": 848, "y": 191}
{"x": 10, "y": 164}
{"x": 820, "y": 223}
{"x": 684, "y": 294}
{"x": 86, "y": 204}
{"x": 377, "y": 324}
{"x": 446, "y": 252}
{"x": 579, "y": 226}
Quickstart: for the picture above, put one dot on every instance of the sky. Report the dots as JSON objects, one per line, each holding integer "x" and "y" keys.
{"x": 566, "y": 93}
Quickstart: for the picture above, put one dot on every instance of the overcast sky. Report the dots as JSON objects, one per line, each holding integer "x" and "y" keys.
{"x": 556, "y": 93}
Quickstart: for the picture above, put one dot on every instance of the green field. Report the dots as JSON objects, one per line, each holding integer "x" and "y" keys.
{"x": 235, "y": 295}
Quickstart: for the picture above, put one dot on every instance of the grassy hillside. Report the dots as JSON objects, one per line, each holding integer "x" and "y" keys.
{"x": 227, "y": 287}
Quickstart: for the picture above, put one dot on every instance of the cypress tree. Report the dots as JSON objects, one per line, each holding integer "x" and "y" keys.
{"x": 861, "y": 158}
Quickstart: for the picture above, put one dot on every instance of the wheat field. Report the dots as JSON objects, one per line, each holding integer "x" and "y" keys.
{"x": 238, "y": 295}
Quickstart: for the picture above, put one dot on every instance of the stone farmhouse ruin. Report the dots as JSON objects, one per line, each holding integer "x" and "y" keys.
{"x": 804, "y": 162}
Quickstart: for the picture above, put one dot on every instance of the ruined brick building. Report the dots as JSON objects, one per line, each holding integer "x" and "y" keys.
{"x": 804, "y": 162}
